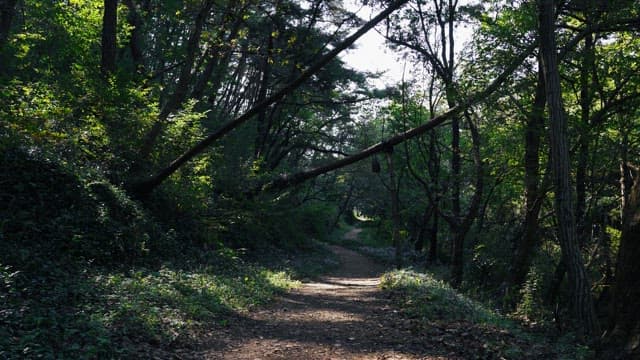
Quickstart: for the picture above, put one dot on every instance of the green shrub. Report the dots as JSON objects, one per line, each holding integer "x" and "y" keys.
{"x": 421, "y": 295}
{"x": 51, "y": 210}
{"x": 531, "y": 305}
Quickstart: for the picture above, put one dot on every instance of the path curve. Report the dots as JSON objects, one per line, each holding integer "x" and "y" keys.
{"x": 344, "y": 315}
{"x": 353, "y": 234}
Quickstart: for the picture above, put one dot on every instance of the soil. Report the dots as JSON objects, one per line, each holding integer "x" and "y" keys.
{"x": 352, "y": 234}
{"x": 343, "y": 315}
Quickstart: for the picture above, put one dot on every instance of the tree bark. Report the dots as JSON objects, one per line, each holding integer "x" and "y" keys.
{"x": 583, "y": 142}
{"x": 109, "y": 45}
{"x": 394, "y": 189}
{"x": 463, "y": 226}
{"x": 135, "y": 39}
{"x": 433, "y": 239}
{"x": 626, "y": 178}
{"x": 533, "y": 201}
{"x": 262, "y": 128}
{"x": 434, "y": 172}
{"x": 581, "y": 299}
{"x": 424, "y": 228}
{"x": 625, "y": 318}
{"x": 344, "y": 205}
{"x": 7, "y": 10}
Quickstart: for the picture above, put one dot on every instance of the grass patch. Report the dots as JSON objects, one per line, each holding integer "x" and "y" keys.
{"x": 469, "y": 324}
{"x": 87, "y": 272}
{"x": 165, "y": 303}
{"x": 366, "y": 238}
{"x": 423, "y": 296}
{"x": 304, "y": 264}
{"x": 107, "y": 314}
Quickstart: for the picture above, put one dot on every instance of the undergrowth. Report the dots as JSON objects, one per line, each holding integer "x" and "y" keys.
{"x": 87, "y": 272}
{"x": 369, "y": 243}
{"x": 421, "y": 296}
{"x": 101, "y": 313}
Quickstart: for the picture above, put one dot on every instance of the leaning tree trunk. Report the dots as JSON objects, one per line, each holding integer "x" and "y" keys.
{"x": 625, "y": 317}
{"x": 145, "y": 187}
{"x": 581, "y": 299}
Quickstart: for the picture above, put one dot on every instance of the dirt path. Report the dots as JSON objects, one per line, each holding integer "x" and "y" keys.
{"x": 342, "y": 316}
{"x": 352, "y": 234}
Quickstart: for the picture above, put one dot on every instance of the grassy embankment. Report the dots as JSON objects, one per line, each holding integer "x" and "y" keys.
{"x": 85, "y": 272}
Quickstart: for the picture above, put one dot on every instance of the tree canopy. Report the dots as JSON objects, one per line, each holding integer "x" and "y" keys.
{"x": 511, "y": 158}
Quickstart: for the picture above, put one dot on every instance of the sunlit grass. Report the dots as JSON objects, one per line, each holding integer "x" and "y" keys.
{"x": 162, "y": 304}
{"x": 107, "y": 314}
{"x": 432, "y": 301}
{"x": 424, "y": 296}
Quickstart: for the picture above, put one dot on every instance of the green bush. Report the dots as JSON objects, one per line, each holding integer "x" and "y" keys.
{"x": 48, "y": 209}
{"x": 421, "y": 295}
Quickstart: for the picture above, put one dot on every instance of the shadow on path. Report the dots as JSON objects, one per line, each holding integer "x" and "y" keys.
{"x": 341, "y": 316}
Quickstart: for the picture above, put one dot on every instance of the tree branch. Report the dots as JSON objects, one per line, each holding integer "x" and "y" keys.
{"x": 285, "y": 181}
{"x": 145, "y": 187}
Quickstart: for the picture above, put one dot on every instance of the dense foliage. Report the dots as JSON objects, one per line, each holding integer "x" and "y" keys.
{"x": 152, "y": 151}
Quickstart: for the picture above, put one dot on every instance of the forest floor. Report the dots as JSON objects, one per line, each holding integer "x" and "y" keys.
{"x": 344, "y": 315}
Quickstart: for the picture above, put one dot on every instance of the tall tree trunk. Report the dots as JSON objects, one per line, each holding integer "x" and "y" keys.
{"x": 109, "y": 46}
{"x": 394, "y": 189}
{"x": 626, "y": 176}
{"x": 556, "y": 282}
{"x": 7, "y": 10}
{"x": 344, "y": 205}
{"x": 464, "y": 225}
{"x": 262, "y": 128}
{"x": 433, "y": 239}
{"x": 457, "y": 233}
{"x": 583, "y": 144}
{"x": 434, "y": 172}
{"x": 625, "y": 318}
{"x": 135, "y": 38}
{"x": 581, "y": 299}
{"x": 457, "y": 236}
{"x": 424, "y": 225}
{"x": 533, "y": 201}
